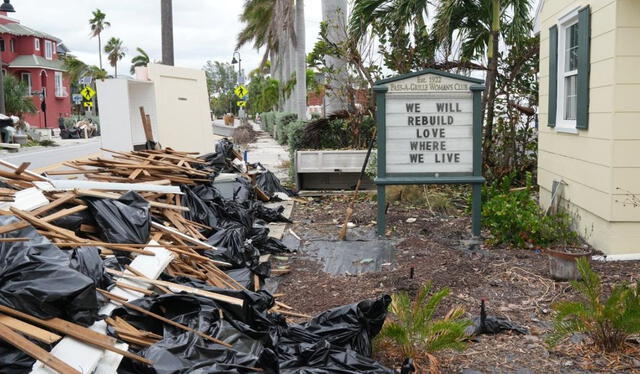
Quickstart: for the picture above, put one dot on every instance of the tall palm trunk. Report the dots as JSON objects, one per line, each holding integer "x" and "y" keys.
{"x": 301, "y": 63}
{"x": 492, "y": 75}
{"x": 115, "y": 68}
{"x": 166, "y": 10}
{"x": 100, "y": 50}
{"x": 334, "y": 13}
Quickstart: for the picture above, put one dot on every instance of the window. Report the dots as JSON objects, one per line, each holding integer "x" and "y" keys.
{"x": 55, "y": 48}
{"x": 26, "y": 77}
{"x": 37, "y": 41}
{"x": 569, "y": 70}
{"x": 12, "y": 44}
{"x": 60, "y": 91}
{"x": 569, "y": 73}
{"x": 48, "y": 49}
{"x": 1, "y": 44}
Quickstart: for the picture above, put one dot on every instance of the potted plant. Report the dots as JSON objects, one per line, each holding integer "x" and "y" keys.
{"x": 563, "y": 258}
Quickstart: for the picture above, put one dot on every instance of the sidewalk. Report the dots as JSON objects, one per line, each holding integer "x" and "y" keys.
{"x": 270, "y": 154}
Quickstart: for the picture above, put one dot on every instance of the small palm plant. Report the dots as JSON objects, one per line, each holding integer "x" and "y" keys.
{"x": 609, "y": 322}
{"x": 417, "y": 333}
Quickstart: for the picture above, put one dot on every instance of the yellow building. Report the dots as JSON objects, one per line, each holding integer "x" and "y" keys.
{"x": 589, "y": 133}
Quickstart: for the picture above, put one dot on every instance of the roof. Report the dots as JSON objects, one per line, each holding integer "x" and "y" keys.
{"x": 21, "y": 30}
{"x": 33, "y": 61}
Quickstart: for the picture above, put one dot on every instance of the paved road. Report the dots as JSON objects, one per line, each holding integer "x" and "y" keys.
{"x": 40, "y": 158}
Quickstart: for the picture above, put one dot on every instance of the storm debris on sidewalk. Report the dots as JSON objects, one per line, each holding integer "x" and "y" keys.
{"x": 139, "y": 263}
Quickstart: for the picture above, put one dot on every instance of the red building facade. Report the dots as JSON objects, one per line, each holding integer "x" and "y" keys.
{"x": 33, "y": 57}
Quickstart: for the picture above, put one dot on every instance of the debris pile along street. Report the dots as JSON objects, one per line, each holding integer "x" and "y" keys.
{"x": 157, "y": 259}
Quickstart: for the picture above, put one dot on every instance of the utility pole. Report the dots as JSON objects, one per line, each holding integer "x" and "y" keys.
{"x": 166, "y": 11}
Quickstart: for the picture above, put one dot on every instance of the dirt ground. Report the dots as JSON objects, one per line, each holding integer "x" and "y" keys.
{"x": 514, "y": 282}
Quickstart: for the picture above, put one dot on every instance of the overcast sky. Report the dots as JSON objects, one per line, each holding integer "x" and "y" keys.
{"x": 203, "y": 29}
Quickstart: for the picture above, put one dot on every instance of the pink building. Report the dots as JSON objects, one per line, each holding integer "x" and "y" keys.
{"x": 33, "y": 57}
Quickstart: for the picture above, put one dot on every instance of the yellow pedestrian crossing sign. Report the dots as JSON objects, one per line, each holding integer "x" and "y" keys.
{"x": 88, "y": 93}
{"x": 241, "y": 91}
{"x": 242, "y": 104}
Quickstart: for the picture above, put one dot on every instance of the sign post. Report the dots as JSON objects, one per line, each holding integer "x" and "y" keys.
{"x": 429, "y": 132}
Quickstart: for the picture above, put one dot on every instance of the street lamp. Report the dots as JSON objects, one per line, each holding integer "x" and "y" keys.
{"x": 239, "y": 62}
{"x": 5, "y": 7}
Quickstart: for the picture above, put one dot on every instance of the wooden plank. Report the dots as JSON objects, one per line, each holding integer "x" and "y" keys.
{"x": 35, "y": 351}
{"x": 27, "y": 172}
{"x": 76, "y": 331}
{"x": 195, "y": 291}
{"x": 105, "y": 195}
{"x": 22, "y": 168}
{"x": 54, "y": 204}
{"x": 32, "y": 331}
{"x": 41, "y": 223}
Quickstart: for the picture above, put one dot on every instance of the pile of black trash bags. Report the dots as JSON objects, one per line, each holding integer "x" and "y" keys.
{"x": 38, "y": 278}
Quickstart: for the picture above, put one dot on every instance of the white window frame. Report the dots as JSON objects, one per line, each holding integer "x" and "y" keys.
{"x": 37, "y": 43}
{"x": 48, "y": 50}
{"x": 28, "y": 79}
{"x": 564, "y": 125}
{"x": 59, "y": 84}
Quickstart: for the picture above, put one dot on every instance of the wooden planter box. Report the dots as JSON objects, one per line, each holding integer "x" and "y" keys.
{"x": 330, "y": 170}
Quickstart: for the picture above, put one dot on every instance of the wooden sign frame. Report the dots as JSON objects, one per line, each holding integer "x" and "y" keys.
{"x": 475, "y": 178}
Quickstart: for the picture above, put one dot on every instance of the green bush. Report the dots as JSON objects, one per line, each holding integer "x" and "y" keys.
{"x": 609, "y": 322}
{"x": 415, "y": 330}
{"x": 283, "y": 120}
{"x": 268, "y": 120}
{"x": 515, "y": 218}
{"x": 294, "y": 137}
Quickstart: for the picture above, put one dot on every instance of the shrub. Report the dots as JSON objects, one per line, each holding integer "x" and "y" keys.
{"x": 294, "y": 136}
{"x": 609, "y": 322}
{"x": 415, "y": 331}
{"x": 268, "y": 120}
{"x": 514, "y": 218}
{"x": 283, "y": 120}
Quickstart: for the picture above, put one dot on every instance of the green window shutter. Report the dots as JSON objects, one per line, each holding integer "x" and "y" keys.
{"x": 584, "y": 67}
{"x": 553, "y": 75}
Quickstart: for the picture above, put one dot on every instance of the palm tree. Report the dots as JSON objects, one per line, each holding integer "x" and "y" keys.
{"x": 479, "y": 26}
{"x": 402, "y": 24}
{"x": 300, "y": 98}
{"x": 142, "y": 59}
{"x": 98, "y": 24}
{"x": 17, "y": 98}
{"x": 334, "y": 14}
{"x": 116, "y": 52}
{"x": 75, "y": 69}
{"x": 270, "y": 24}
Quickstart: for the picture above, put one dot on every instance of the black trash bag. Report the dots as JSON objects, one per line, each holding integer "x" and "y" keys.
{"x": 199, "y": 211}
{"x": 352, "y": 326}
{"x": 270, "y": 184}
{"x": 223, "y": 152}
{"x": 87, "y": 261}
{"x": 185, "y": 352}
{"x": 125, "y": 220}
{"x": 207, "y": 192}
{"x": 231, "y": 214}
{"x": 243, "y": 190}
{"x": 74, "y": 221}
{"x": 14, "y": 361}
{"x": 266, "y": 214}
{"x": 245, "y": 277}
{"x": 491, "y": 325}
{"x": 323, "y": 358}
{"x": 266, "y": 244}
{"x": 35, "y": 278}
